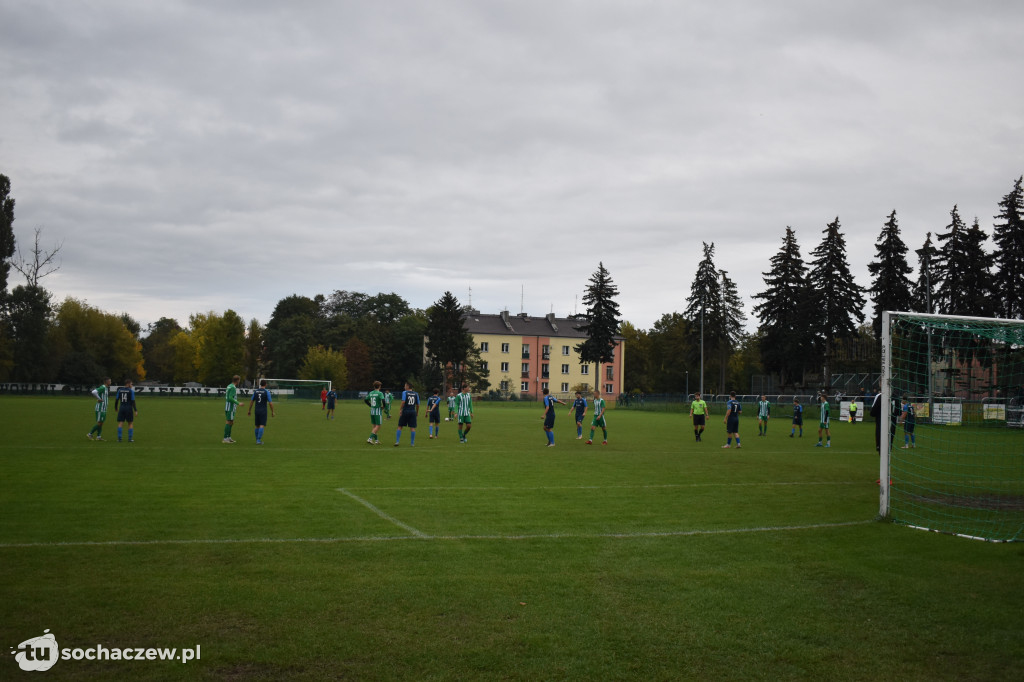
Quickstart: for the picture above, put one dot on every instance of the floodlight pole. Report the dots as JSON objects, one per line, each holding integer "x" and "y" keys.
{"x": 702, "y": 346}
{"x": 926, "y": 261}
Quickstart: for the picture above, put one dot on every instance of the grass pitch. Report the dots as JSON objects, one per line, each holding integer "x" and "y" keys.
{"x": 318, "y": 556}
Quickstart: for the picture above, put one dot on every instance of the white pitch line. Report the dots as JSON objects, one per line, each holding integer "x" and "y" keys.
{"x": 421, "y": 536}
{"x": 613, "y": 487}
{"x": 383, "y": 515}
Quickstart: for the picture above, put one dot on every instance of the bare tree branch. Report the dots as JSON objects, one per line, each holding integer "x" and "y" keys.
{"x": 42, "y": 264}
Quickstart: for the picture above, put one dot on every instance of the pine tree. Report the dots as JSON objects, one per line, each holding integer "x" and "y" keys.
{"x": 837, "y": 304}
{"x": 962, "y": 270}
{"x": 927, "y": 282}
{"x": 729, "y": 319}
{"x": 601, "y": 321}
{"x": 785, "y": 334}
{"x": 6, "y": 232}
{"x": 702, "y": 309}
{"x": 892, "y": 288}
{"x": 448, "y": 340}
{"x": 1009, "y": 254}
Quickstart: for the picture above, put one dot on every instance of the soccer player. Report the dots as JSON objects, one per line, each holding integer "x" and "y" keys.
{"x": 823, "y": 422}
{"x": 464, "y": 407}
{"x": 798, "y": 418}
{"x": 102, "y": 395}
{"x": 598, "y": 420}
{"x": 323, "y": 399}
{"x": 124, "y": 403}
{"x": 230, "y": 407}
{"x": 452, "y": 411}
{"x": 261, "y": 399}
{"x": 580, "y": 405}
{"x": 909, "y": 419}
{"x": 332, "y": 399}
{"x": 549, "y": 417}
{"x": 698, "y": 412}
{"x": 407, "y": 416}
{"x": 764, "y": 410}
{"x": 853, "y": 411}
{"x": 375, "y": 399}
{"x": 732, "y": 420}
{"x": 387, "y": 403}
{"x": 433, "y": 414}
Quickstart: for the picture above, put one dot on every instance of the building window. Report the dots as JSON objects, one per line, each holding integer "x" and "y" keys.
{"x": 544, "y": 386}
{"x": 565, "y": 369}
{"x": 545, "y": 352}
{"x": 526, "y": 351}
{"x": 565, "y": 387}
{"x": 584, "y": 369}
{"x": 525, "y": 387}
{"x": 544, "y": 371}
{"x": 504, "y": 348}
{"x": 526, "y": 369}
{"x": 504, "y": 367}
{"x": 483, "y": 365}
{"x": 610, "y": 373}
{"x": 565, "y": 350}
{"x": 504, "y": 385}
{"x": 484, "y": 346}
{"x": 608, "y": 389}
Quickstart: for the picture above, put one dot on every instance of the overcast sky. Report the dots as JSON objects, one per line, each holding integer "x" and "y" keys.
{"x": 196, "y": 156}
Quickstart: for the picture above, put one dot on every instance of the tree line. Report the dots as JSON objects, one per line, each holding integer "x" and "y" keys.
{"x": 812, "y": 317}
{"x": 811, "y": 320}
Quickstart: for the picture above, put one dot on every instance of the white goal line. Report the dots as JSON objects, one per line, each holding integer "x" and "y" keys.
{"x": 425, "y": 537}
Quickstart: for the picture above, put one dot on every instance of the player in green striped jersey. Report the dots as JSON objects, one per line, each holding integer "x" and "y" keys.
{"x": 102, "y": 395}
{"x": 464, "y": 406}
{"x": 598, "y": 420}
{"x": 230, "y": 407}
{"x": 764, "y": 410}
{"x": 375, "y": 399}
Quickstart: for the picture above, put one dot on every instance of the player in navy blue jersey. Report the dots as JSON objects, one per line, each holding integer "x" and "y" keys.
{"x": 798, "y": 418}
{"x": 332, "y": 399}
{"x": 433, "y": 414}
{"x": 908, "y": 416}
{"x": 124, "y": 402}
{"x": 580, "y": 405}
{"x": 262, "y": 400}
{"x": 732, "y": 420}
{"x": 407, "y": 417}
{"x": 549, "y": 417}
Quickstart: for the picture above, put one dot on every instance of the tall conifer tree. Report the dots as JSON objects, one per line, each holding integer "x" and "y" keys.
{"x": 785, "y": 335}
{"x": 837, "y": 304}
{"x": 962, "y": 269}
{"x": 892, "y": 288}
{"x": 601, "y": 321}
{"x": 1009, "y": 254}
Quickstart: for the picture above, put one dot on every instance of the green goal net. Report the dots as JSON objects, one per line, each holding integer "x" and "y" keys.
{"x": 952, "y": 446}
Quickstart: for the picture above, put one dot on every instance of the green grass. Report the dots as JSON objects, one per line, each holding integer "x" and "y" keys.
{"x": 317, "y": 556}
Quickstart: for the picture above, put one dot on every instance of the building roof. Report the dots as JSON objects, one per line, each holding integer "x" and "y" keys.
{"x": 524, "y": 325}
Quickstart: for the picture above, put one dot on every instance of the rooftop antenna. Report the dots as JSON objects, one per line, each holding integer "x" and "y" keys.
{"x": 470, "y": 296}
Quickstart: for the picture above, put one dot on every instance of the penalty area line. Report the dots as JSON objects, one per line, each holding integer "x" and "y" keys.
{"x": 384, "y": 515}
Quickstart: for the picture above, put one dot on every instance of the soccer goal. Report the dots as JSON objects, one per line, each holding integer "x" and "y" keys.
{"x": 952, "y": 447}
{"x": 306, "y": 389}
